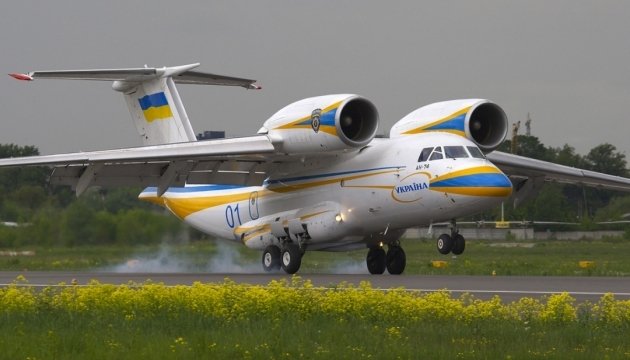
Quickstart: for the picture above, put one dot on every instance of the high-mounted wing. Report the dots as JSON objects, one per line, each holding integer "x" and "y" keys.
{"x": 528, "y": 175}
{"x": 242, "y": 161}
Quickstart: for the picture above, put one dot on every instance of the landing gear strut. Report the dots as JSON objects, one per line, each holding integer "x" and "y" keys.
{"x": 454, "y": 243}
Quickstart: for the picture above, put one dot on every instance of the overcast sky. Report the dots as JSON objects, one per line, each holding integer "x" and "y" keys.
{"x": 565, "y": 62}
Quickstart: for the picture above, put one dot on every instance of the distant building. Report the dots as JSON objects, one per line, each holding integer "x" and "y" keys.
{"x": 209, "y": 135}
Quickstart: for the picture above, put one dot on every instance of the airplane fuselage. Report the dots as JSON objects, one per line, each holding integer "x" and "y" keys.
{"x": 353, "y": 199}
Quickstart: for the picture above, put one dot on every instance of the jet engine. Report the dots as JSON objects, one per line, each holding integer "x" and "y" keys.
{"x": 481, "y": 121}
{"x": 323, "y": 123}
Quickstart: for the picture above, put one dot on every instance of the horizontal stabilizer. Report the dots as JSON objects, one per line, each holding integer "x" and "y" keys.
{"x": 180, "y": 74}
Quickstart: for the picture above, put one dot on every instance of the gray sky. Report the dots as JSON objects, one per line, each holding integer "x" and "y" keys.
{"x": 565, "y": 62}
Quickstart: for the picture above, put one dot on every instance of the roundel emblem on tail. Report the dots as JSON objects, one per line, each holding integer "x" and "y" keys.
{"x": 315, "y": 119}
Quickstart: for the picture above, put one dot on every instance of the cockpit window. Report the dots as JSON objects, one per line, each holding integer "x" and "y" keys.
{"x": 424, "y": 155}
{"x": 455, "y": 152}
{"x": 475, "y": 152}
{"x": 437, "y": 153}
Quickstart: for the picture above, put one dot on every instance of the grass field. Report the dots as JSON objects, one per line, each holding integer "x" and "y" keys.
{"x": 287, "y": 321}
{"x": 609, "y": 258}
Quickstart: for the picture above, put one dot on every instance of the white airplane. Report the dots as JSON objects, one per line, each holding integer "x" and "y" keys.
{"x": 315, "y": 177}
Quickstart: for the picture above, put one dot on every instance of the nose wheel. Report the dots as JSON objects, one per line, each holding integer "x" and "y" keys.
{"x": 454, "y": 243}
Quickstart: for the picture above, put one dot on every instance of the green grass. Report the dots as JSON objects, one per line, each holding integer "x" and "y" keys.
{"x": 51, "y": 335}
{"x": 480, "y": 258}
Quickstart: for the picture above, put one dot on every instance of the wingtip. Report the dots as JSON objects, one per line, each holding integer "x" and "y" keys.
{"x": 255, "y": 86}
{"x": 23, "y": 77}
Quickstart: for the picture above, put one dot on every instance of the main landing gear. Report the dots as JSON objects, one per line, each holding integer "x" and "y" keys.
{"x": 454, "y": 243}
{"x": 289, "y": 258}
{"x": 394, "y": 260}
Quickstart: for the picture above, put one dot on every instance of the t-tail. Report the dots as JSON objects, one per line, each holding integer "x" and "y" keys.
{"x": 156, "y": 108}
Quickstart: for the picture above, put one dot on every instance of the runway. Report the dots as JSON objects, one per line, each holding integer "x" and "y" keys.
{"x": 509, "y": 288}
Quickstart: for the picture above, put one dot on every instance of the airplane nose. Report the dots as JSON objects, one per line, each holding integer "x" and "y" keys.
{"x": 485, "y": 180}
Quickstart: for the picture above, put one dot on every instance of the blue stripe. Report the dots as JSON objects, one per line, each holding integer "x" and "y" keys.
{"x": 475, "y": 180}
{"x": 309, "y": 177}
{"x": 327, "y": 118}
{"x": 452, "y": 124}
{"x": 190, "y": 189}
{"x": 153, "y": 100}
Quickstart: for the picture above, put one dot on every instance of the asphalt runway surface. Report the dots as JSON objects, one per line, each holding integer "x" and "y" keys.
{"x": 509, "y": 288}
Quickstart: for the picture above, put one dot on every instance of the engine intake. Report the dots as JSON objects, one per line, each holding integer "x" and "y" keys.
{"x": 323, "y": 123}
{"x": 487, "y": 126}
{"x": 357, "y": 121}
{"x": 481, "y": 121}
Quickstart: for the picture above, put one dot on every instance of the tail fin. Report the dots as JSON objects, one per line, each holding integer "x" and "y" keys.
{"x": 156, "y": 108}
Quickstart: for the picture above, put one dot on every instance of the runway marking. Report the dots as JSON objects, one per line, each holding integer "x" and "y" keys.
{"x": 470, "y": 291}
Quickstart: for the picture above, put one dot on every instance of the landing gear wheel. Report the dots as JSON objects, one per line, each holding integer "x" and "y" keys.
{"x": 459, "y": 244}
{"x": 376, "y": 261}
{"x": 291, "y": 258}
{"x": 271, "y": 258}
{"x": 445, "y": 244}
{"x": 396, "y": 260}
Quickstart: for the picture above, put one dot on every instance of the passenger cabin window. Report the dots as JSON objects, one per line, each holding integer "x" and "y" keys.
{"x": 475, "y": 152}
{"x": 437, "y": 153}
{"x": 455, "y": 152}
{"x": 424, "y": 155}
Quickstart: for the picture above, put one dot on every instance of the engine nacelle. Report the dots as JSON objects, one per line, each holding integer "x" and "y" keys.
{"x": 481, "y": 121}
{"x": 323, "y": 123}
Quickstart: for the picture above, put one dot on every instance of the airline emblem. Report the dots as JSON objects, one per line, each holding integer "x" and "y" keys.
{"x": 315, "y": 119}
{"x": 411, "y": 187}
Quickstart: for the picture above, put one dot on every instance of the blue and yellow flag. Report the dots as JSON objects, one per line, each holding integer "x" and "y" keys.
{"x": 155, "y": 107}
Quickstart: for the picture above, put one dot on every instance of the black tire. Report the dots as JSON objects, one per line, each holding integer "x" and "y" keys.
{"x": 396, "y": 260}
{"x": 445, "y": 244}
{"x": 459, "y": 244}
{"x": 376, "y": 261}
{"x": 291, "y": 258}
{"x": 271, "y": 258}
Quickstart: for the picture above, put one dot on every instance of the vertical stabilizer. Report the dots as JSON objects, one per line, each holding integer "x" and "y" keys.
{"x": 158, "y": 113}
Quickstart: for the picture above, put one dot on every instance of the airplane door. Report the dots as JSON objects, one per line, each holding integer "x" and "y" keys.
{"x": 253, "y": 205}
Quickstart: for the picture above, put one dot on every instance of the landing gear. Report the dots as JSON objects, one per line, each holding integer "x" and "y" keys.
{"x": 291, "y": 258}
{"x": 454, "y": 243}
{"x": 271, "y": 258}
{"x": 376, "y": 261}
{"x": 445, "y": 244}
{"x": 396, "y": 260}
{"x": 459, "y": 244}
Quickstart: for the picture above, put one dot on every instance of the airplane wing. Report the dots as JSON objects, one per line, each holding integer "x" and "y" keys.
{"x": 242, "y": 161}
{"x": 527, "y": 173}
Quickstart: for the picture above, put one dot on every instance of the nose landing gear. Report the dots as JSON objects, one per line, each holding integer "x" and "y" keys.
{"x": 454, "y": 242}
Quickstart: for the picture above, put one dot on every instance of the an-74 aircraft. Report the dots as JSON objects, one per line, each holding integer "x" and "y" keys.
{"x": 315, "y": 177}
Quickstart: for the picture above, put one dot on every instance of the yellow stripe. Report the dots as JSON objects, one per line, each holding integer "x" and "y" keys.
{"x": 163, "y": 112}
{"x": 288, "y": 188}
{"x": 470, "y": 171}
{"x": 183, "y": 207}
{"x": 476, "y": 191}
{"x": 292, "y": 124}
{"x": 253, "y": 235}
{"x": 437, "y": 122}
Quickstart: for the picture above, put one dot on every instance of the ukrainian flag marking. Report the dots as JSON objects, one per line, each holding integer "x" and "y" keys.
{"x": 155, "y": 107}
